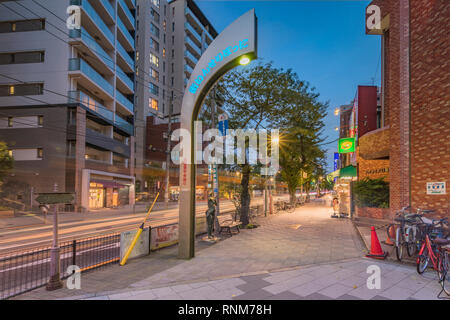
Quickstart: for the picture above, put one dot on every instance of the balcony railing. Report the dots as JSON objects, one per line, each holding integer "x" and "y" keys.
{"x": 123, "y": 76}
{"x": 91, "y": 104}
{"x": 78, "y": 64}
{"x": 125, "y": 32}
{"x": 193, "y": 32}
{"x": 108, "y": 7}
{"x": 125, "y": 55}
{"x": 190, "y": 56}
{"x": 93, "y": 15}
{"x": 124, "y": 101}
{"x": 92, "y": 44}
{"x": 124, "y": 125}
{"x": 127, "y": 12}
{"x": 193, "y": 45}
{"x": 188, "y": 68}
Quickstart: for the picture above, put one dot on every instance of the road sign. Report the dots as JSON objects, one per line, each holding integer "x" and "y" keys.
{"x": 223, "y": 124}
{"x": 436, "y": 188}
{"x": 346, "y": 145}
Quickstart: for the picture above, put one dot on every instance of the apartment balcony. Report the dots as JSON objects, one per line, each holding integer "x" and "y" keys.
{"x": 188, "y": 70}
{"x": 91, "y": 48}
{"x": 106, "y": 10}
{"x": 125, "y": 12}
{"x": 131, "y": 3}
{"x": 124, "y": 83}
{"x": 124, "y": 125}
{"x": 375, "y": 144}
{"x": 193, "y": 34}
{"x": 191, "y": 46}
{"x": 89, "y": 78}
{"x": 124, "y": 36}
{"x": 124, "y": 59}
{"x": 124, "y": 103}
{"x": 100, "y": 140}
{"x": 94, "y": 24}
{"x": 191, "y": 60}
{"x": 92, "y": 105}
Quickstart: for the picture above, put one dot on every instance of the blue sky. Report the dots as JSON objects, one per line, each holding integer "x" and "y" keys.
{"x": 323, "y": 41}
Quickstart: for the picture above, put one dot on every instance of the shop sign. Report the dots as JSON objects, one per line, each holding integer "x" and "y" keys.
{"x": 436, "y": 188}
{"x": 346, "y": 145}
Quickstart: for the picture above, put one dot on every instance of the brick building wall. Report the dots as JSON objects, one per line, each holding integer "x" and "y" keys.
{"x": 430, "y": 102}
{"x": 416, "y": 89}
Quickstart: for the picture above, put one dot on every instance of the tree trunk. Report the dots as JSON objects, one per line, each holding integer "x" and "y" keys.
{"x": 245, "y": 196}
{"x": 292, "y": 197}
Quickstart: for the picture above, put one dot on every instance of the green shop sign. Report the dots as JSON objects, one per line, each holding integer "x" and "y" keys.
{"x": 346, "y": 145}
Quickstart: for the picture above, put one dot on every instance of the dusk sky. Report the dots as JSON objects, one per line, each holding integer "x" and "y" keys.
{"x": 323, "y": 41}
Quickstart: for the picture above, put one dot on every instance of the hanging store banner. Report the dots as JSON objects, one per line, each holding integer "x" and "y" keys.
{"x": 346, "y": 145}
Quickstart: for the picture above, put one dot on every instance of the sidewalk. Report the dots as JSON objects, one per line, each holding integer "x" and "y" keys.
{"x": 301, "y": 255}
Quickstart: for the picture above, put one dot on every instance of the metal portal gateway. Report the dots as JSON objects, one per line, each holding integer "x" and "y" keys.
{"x": 238, "y": 41}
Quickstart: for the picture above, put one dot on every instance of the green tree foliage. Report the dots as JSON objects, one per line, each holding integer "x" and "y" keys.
{"x": 373, "y": 193}
{"x": 6, "y": 161}
{"x": 265, "y": 97}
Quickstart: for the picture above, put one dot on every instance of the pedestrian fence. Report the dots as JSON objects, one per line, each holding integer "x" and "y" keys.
{"x": 24, "y": 271}
{"x": 21, "y": 272}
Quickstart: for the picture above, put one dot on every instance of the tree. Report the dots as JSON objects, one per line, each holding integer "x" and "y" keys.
{"x": 6, "y": 161}
{"x": 254, "y": 97}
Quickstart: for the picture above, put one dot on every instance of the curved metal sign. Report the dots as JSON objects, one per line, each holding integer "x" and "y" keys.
{"x": 237, "y": 41}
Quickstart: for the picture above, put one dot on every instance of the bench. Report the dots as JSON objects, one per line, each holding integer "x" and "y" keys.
{"x": 226, "y": 222}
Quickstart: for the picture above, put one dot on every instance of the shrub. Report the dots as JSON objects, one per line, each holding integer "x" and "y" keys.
{"x": 372, "y": 193}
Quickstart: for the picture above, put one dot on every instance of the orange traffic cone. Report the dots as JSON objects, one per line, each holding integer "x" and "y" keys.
{"x": 391, "y": 235}
{"x": 375, "y": 246}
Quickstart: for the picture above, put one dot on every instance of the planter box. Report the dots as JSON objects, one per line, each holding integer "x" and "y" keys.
{"x": 374, "y": 213}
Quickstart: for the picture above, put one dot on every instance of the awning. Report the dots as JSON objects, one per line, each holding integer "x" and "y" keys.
{"x": 349, "y": 171}
{"x": 109, "y": 183}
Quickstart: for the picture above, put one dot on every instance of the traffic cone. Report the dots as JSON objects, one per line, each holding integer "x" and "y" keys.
{"x": 391, "y": 235}
{"x": 375, "y": 246}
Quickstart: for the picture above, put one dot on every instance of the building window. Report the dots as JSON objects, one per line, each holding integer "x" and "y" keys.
{"x": 173, "y": 39}
{"x": 173, "y": 54}
{"x": 154, "y": 89}
{"x": 22, "y": 25}
{"x": 172, "y": 81}
{"x": 10, "y": 122}
{"x": 40, "y": 121}
{"x": 164, "y": 66}
{"x": 173, "y": 26}
{"x": 173, "y": 68}
{"x": 155, "y": 3}
{"x": 165, "y": 25}
{"x": 164, "y": 52}
{"x": 155, "y": 15}
{"x": 21, "y": 89}
{"x": 154, "y": 74}
{"x": 154, "y": 59}
{"x": 173, "y": 11}
{"x": 22, "y": 57}
{"x": 154, "y": 30}
{"x": 154, "y": 44}
{"x": 153, "y": 104}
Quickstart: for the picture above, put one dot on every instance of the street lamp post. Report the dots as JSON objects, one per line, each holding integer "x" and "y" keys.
{"x": 55, "y": 280}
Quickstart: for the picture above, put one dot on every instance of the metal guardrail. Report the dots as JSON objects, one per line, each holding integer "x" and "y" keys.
{"x": 21, "y": 272}
{"x": 25, "y": 271}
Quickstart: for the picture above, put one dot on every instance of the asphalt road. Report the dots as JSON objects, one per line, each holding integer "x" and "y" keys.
{"x": 27, "y": 237}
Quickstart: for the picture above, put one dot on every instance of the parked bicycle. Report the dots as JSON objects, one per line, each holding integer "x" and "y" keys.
{"x": 436, "y": 250}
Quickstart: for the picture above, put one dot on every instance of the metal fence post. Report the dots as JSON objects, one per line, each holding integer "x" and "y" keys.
{"x": 74, "y": 252}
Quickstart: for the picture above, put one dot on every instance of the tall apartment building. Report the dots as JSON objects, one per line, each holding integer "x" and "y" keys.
{"x": 171, "y": 37}
{"x": 67, "y": 98}
{"x": 415, "y": 127}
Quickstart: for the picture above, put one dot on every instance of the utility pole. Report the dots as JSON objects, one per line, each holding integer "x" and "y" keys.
{"x": 55, "y": 279}
{"x": 169, "y": 133}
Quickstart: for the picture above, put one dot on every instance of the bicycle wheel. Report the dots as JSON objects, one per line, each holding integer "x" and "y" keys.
{"x": 444, "y": 275}
{"x": 422, "y": 261}
{"x": 411, "y": 244}
{"x": 399, "y": 244}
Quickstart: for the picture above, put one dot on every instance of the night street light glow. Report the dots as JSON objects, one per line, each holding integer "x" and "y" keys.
{"x": 244, "y": 61}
